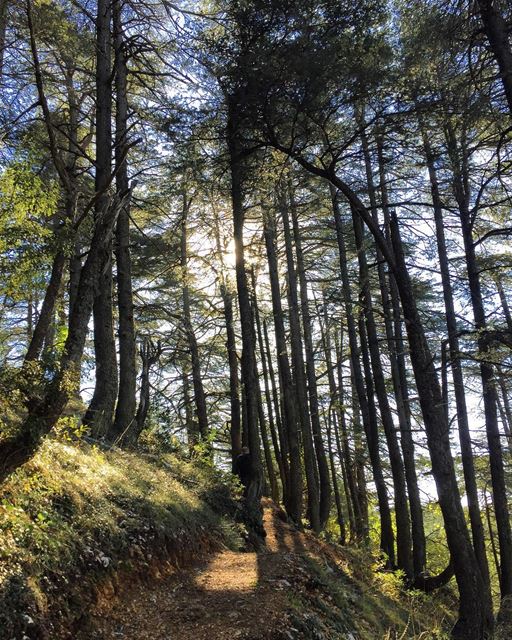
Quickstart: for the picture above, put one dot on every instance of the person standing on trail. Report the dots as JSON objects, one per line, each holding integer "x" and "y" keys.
{"x": 253, "y": 515}
{"x": 243, "y": 468}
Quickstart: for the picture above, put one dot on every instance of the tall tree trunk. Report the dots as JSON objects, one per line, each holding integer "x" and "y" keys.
{"x": 248, "y": 368}
{"x": 458, "y": 379}
{"x": 235, "y": 425}
{"x": 269, "y": 463}
{"x": 268, "y": 400}
{"x": 461, "y": 189}
{"x": 335, "y": 487}
{"x": 64, "y": 164}
{"x": 498, "y": 33}
{"x": 190, "y": 427}
{"x": 336, "y": 405}
{"x": 197, "y": 379}
{"x": 293, "y": 496}
{"x": 359, "y": 471}
{"x": 126, "y": 401}
{"x": 321, "y": 458}
{"x": 473, "y": 622}
{"x": 299, "y": 374}
{"x": 101, "y": 408}
{"x": 394, "y": 339}
{"x": 276, "y": 405}
{"x": 403, "y": 529}
{"x": 364, "y": 394}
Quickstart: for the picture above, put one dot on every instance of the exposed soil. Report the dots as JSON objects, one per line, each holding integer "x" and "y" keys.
{"x": 233, "y": 595}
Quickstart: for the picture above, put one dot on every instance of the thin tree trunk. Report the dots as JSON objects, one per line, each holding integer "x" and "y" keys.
{"x": 403, "y": 530}
{"x": 293, "y": 496}
{"x": 269, "y": 463}
{"x": 299, "y": 376}
{"x": 149, "y": 354}
{"x": 235, "y": 427}
{"x": 458, "y": 379}
{"x": 276, "y": 405}
{"x": 197, "y": 380}
{"x": 336, "y": 402}
{"x": 64, "y": 166}
{"x": 394, "y": 339}
{"x": 335, "y": 487}
{"x": 461, "y": 191}
{"x": 364, "y": 394}
{"x": 190, "y": 427}
{"x": 323, "y": 467}
{"x": 47, "y": 310}
{"x": 268, "y": 400}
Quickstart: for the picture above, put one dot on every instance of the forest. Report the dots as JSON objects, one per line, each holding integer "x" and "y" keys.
{"x": 272, "y": 238}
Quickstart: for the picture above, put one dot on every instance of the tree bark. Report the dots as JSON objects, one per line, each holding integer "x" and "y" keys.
{"x": 394, "y": 339}
{"x": 282, "y": 436}
{"x": 461, "y": 190}
{"x": 126, "y": 402}
{"x": 269, "y": 463}
{"x": 268, "y": 400}
{"x": 403, "y": 528}
{"x": 149, "y": 353}
{"x": 321, "y": 458}
{"x": 248, "y": 365}
{"x": 293, "y": 498}
{"x": 235, "y": 426}
{"x": 299, "y": 374}
{"x": 458, "y": 379}
{"x": 101, "y": 408}
{"x": 497, "y": 31}
{"x": 336, "y": 405}
{"x": 197, "y": 379}
{"x": 364, "y": 394}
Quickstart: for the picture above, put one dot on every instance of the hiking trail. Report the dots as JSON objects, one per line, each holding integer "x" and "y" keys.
{"x": 232, "y": 595}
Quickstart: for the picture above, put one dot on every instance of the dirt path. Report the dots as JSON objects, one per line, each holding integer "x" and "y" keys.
{"x": 234, "y": 595}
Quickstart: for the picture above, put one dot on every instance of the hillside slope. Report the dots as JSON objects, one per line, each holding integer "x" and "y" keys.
{"x": 100, "y": 545}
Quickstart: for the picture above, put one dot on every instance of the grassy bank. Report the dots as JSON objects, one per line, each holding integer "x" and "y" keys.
{"x": 76, "y": 518}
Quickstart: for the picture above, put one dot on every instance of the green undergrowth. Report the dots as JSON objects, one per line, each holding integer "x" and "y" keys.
{"x": 350, "y": 600}
{"x": 76, "y": 515}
